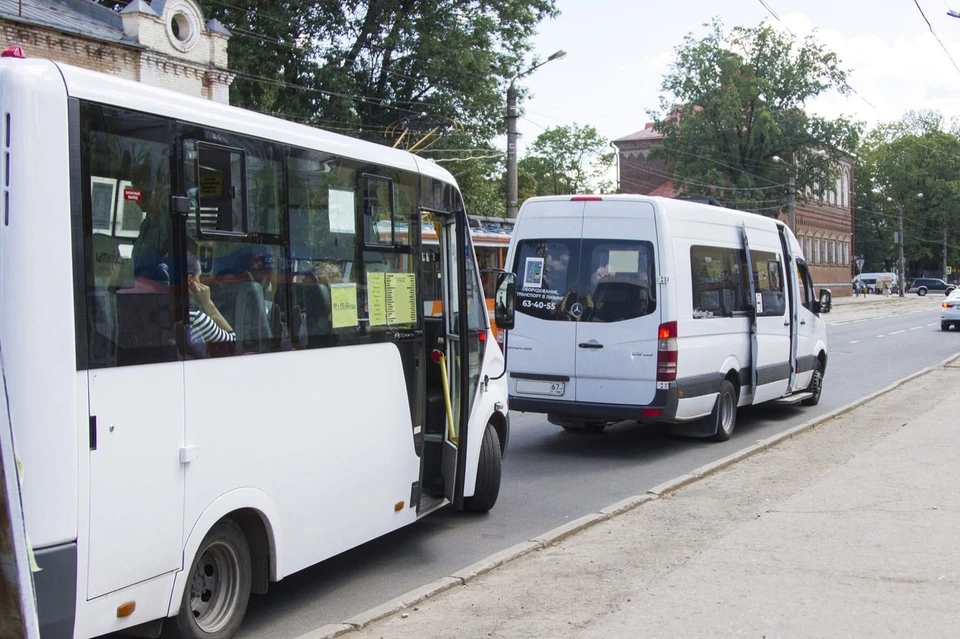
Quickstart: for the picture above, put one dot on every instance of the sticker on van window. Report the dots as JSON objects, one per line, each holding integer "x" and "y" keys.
{"x": 622, "y": 262}
{"x": 759, "y": 303}
{"x": 533, "y": 272}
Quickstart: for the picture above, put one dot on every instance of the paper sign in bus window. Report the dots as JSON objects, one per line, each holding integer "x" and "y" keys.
{"x": 759, "y": 303}
{"x": 533, "y": 272}
{"x": 622, "y": 261}
{"x": 401, "y": 298}
{"x": 342, "y": 209}
{"x": 343, "y": 298}
{"x": 377, "y": 299}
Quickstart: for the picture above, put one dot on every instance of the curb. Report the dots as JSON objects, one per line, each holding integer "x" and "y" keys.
{"x": 464, "y": 575}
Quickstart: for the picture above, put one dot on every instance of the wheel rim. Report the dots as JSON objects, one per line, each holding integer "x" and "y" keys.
{"x": 726, "y": 413}
{"x": 215, "y": 587}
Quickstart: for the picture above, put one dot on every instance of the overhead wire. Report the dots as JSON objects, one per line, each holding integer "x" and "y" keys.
{"x": 942, "y": 45}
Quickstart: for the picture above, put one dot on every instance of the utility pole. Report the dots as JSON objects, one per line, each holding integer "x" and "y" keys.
{"x": 900, "y": 262}
{"x": 512, "y": 134}
{"x": 512, "y": 151}
{"x": 944, "y": 251}
{"x": 792, "y": 195}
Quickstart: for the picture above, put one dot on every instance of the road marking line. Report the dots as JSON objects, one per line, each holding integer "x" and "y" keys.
{"x": 856, "y": 341}
{"x": 932, "y": 324}
{"x": 898, "y": 332}
{"x": 916, "y": 328}
{"x": 879, "y": 336}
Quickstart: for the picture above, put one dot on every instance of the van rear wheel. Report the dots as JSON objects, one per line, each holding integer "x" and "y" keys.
{"x": 724, "y": 415}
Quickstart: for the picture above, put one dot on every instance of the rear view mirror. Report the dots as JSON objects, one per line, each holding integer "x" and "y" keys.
{"x": 505, "y": 301}
{"x": 826, "y": 300}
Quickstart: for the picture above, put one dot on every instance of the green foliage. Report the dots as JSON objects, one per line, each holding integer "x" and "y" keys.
{"x": 565, "y": 159}
{"x": 379, "y": 69}
{"x": 734, "y": 100}
{"x": 915, "y": 164}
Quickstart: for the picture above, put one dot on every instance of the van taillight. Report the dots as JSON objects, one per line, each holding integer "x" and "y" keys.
{"x": 667, "y": 352}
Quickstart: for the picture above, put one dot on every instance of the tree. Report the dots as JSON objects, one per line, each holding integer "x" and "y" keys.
{"x": 392, "y": 71}
{"x": 566, "y": 159}
{"x": 732, "y": 101}
{"x": 914, "y": 164}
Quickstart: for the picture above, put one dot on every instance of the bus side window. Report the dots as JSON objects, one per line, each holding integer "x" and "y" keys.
{"x": 129, "y": 298}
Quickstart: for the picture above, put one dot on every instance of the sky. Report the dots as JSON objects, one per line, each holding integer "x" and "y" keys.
{"x": 619, "y": 50}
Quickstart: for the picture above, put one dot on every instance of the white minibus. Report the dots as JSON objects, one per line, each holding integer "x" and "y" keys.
{"x": 659, "y": 310}
{"x": 219, "y": 366}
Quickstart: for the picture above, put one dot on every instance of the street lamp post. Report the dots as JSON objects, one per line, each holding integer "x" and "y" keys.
{"x": 512, "y": 134}
{"x": 900, "y": 260}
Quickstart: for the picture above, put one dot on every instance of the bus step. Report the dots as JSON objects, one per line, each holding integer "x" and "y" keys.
{"x": 793, "y": 399}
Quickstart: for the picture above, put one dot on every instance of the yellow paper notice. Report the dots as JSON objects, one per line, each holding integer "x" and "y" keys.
{"x": 401, "y": 298}
{"x": 377, "y": 299}
{"x": 343, "y": 297}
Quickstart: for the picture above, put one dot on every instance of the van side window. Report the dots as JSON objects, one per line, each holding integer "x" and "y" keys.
{"x": 622, "y": 277}
{"x": 718, "y": 286}
{"x": 768, "y": 284}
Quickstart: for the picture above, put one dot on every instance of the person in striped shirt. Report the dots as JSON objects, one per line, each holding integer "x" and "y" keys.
{"x": 205, "y": 319}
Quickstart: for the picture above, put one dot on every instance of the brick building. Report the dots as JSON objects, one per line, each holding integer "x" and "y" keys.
{"x": 164, "y": 43}
{"x": 824, "y": 223}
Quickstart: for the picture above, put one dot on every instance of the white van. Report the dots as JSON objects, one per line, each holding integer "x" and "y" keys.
{"x": 635, "y": 307}
{"x": 870, "y": 280}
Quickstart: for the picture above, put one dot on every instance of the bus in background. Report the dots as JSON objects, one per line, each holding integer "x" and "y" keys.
{"x": 491, "y": 251}
{"x": 219, "y": 370}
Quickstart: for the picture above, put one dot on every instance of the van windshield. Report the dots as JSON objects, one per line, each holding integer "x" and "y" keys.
{"x": 589, "y": 280}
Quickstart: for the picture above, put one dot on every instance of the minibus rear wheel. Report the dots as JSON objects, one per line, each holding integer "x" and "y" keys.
{"x": 816, "y": 386}
{"x": 724, "y": 415}
{"x": 218, "y": 587}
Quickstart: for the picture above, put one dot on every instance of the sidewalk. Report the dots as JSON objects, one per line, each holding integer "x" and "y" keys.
{"x": 848, "y": 529}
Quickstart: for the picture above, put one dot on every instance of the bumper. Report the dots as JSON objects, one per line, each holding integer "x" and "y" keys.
{"x": 665, "y": 400}
{"x": 56, "y": 586}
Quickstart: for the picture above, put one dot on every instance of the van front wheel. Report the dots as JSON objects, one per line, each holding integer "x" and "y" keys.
{"x": 816, "y": 386}
{"x": 724, "y": 415}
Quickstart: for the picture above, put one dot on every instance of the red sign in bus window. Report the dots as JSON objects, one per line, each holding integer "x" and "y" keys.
{"x": 132, "y": 195}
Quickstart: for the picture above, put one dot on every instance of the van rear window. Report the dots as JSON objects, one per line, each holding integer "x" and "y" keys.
{"x": 586, "y": 280}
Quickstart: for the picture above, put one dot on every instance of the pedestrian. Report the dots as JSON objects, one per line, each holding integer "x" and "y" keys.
{"x": 856, "y": 288}
{"x": 886, "y": 288}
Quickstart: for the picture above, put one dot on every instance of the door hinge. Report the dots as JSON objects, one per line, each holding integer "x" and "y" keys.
{"x": 664, "y": 279}
{"x": 189, "y": 454}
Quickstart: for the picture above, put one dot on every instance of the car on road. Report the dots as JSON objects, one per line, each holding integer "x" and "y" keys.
{"x": 950, "y": 312}
{"x": 923, "y": 285}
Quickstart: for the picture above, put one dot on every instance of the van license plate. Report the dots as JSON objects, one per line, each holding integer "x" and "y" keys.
{"x": 534, "y": 387}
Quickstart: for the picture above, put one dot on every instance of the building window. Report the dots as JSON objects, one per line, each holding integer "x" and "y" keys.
{"x": 816, "y": 251}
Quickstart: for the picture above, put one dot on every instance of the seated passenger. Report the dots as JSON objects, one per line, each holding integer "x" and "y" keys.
{"x": 205, "y": 319}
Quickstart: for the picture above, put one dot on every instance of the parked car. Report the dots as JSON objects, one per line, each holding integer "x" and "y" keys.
{"x": 923, "y": 285}
{"x": 950, "y": 312}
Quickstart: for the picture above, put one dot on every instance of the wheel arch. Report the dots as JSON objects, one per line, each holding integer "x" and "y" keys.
{"x": 256, "y": 514}
{"x": 501, "y": 426}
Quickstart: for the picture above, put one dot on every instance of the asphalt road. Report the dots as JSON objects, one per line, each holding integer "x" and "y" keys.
{"x": 552, "y": 477}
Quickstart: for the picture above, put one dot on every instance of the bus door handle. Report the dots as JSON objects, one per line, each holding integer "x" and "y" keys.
{"x": 591, "y": 344}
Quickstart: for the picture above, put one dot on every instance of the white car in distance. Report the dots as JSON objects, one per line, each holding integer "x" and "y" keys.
{"x": 950, "y": 311}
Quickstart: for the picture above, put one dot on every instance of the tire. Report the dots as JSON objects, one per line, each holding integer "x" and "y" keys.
{"x": 218, "y": 587}
{"x": 944, "y": 326}
{"x": 921, "y": 292}
{"x": 724, "y": 415}
{"x": 815, "y": 387}
{"x": 488, "y": 474}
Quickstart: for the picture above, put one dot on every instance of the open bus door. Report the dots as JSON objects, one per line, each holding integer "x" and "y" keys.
{"x": 453, "y": 365}
{"x": 18, "y": 608}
